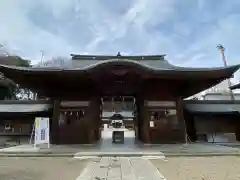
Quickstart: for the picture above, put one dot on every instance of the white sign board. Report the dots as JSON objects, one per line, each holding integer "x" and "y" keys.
{"x": 151, "y": 123}
{"x": 41, "y": 131}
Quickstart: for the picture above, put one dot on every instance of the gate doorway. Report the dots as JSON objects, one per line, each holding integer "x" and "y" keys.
{"x": 118, "y": 117}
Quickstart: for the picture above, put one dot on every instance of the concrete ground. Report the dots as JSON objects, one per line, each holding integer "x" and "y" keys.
{"x": 202, "y": 168}
{"x": 120, "y": 168}
{"x": 130, "y": 147}
{"x": 41, "y": 168}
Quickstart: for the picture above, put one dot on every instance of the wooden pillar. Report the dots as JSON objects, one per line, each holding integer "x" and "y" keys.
{"x": 190, "y": 126}
{"x": 181, "y": 121}
{"x": 54, "y": 128}
{"x": 145, "y": 128}
{"x": 93, "y": 120}
{"x": 237, "y": 131}
{"x": 143, "y": 121}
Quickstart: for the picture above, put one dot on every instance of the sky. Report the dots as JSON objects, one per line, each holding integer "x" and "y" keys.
{"x": 187, "y": 31}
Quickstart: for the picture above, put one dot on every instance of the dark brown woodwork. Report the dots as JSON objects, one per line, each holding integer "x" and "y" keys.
{"x": 237, "y": 133}
{"x": 48, "y": 81}
{"x": 190, "y": 126}
{"x": 83, "y": 131}
{"x": 142, "y": 120}
{"x": 145, "y": 80}
{"x": 158, "y": 90}
{"x": 237, "y": 130}
{"x": 181, "y": 120}
{"x": 54, "y": 126}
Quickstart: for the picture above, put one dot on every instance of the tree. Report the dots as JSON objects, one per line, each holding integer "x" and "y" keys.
{"x": 22, "y": 93}
{"x": 55, "y": 62}
{"x": 19, "y": 92}
{"x": 9, "y": 89}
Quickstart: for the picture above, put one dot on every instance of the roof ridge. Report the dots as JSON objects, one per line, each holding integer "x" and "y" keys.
{"x": 118, "y": 56}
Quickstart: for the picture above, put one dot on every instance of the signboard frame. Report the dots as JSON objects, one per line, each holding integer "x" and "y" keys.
{"x": 41, "y": 131}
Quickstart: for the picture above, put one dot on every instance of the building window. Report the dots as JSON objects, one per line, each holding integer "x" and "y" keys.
{"x": 70, "y": 116}
{"x": 79, "y": 114}
{"x": 159, "y": 115}
{"x": 62, "y": 118}
{"x": 173, "y": 119}
{"x": 8, "y": 128}
{"x": 164, "y": 116}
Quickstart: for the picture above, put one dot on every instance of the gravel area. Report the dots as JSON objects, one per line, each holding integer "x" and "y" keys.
{"x": 40, "y": 168}
{"x": 199, "y": 168}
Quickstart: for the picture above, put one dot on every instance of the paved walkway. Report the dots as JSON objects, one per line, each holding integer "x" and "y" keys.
{"x": 130, "y": 148}
{"x": 120, "y": 168}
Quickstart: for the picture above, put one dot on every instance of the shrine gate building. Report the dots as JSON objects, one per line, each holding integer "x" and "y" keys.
{"x": 156, "y": 87}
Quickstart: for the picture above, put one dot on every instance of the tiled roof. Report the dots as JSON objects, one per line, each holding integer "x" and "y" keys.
{"x": 147, "y": 65}
{"x": 215, "y": 106}
{"x": 236, "y": 86}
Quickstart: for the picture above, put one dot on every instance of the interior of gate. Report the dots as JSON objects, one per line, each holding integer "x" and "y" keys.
{"x": 118, "y": 113}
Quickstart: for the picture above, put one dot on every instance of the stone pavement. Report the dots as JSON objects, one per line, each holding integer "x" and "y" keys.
{"x": 120, "y": 168}
{"x": 130, "y": 148}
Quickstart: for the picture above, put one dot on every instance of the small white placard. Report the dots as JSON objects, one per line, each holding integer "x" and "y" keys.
{"x": 151, "y": 123}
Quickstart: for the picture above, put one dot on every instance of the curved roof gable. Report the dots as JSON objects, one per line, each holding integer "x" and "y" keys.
{"x": 150, "y": 63}
{"x": 146, "y": 64}
{"x": 147, "y": 67}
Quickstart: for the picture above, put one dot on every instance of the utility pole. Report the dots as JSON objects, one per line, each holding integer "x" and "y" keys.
{"x": 35, "y": 95}
{"x": 222, "y": 50}
{"x": 42, "y": 55}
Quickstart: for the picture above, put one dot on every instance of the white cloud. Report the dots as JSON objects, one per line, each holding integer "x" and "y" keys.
{"x": 91, "y": 18}
{"x": 186, "y": 31}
